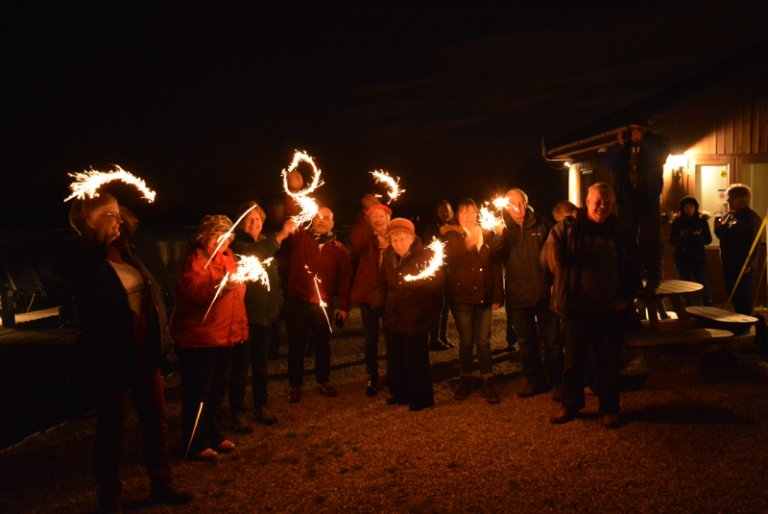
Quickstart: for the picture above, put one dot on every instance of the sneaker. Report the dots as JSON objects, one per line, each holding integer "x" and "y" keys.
{"x": 263, "y": 416}
{"x": 610, "y": 420}
{"x": 226, "y": 446}
{"x": 464, "y": 388}
{"x": 328, "y": 390}
{"x": 241, "y": 425}
{"x": 563, "y": 416}
{"x": 489, "y": 391}
{"x": 373, "y": 386}
{"x": 166, "y": 494}
{"x": 294, "y": 395}
{"x": 208, "y": 454}
{"x": 531, "y": 390}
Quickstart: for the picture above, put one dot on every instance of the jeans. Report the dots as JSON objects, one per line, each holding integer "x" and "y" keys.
{"x": 473, "y": 323}
{"x": 306, "y": 323}
{"x": 204, "y": 379}
{"x": 371, "y": 340}
{"x": 408, "y": 369}
{"x": 253, "y": 353}
{"x": 536, "y": 325}
{"x": 696, "y": 272}
{"x": 603, "y": 336}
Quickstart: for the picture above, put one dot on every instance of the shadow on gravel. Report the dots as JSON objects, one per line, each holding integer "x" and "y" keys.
{"x": 685, "y": 412}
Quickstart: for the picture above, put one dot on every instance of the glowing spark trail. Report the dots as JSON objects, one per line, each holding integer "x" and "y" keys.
{"x": 382, "y": 177}
{"x": 434, "y": 264}
{"x": 251, "y": 269}
{"x": 488, "y": 220}
{"x": 226, "y": 235}
{"x": 322, "y": 304}
{"x": 307, "y": 205}
{"x": 216, "y": 296}
{"x": 194, "y": 429}
{"x": 88, "y": 182}
{"x": 500, "y": 202}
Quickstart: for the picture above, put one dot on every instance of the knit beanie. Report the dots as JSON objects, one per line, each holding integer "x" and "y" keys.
{"x": 401, "y": 224}
{"x": 689, "y": 200}
{"x": 211, "y": 224}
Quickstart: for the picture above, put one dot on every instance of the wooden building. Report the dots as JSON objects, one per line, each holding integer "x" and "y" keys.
{"x": 717, "y": 126}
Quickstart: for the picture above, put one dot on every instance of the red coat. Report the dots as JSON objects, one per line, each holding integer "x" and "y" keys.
{"x": 366, "y": 245}
{"x": 331, "y": 264}
{"x": 227, "y": 322}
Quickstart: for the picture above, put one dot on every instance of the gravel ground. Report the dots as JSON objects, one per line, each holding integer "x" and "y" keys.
{"x": 691, "y": 448}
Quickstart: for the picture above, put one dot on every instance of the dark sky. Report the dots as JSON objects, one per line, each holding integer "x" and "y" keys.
{"x": 208, "y": 103}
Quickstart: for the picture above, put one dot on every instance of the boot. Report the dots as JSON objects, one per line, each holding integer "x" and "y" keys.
{"x": 464, "y": 387}
{"x": 489, "y": 391}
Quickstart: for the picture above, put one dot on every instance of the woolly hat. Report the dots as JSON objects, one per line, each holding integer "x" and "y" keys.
{"x": 401, "y": 224}
{"x": 377, "y": 206}
{"x": 211, "y": 224}
{"x": 689, "y": 200}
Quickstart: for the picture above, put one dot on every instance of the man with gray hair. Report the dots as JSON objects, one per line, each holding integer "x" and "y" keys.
{"x": 594, "y": 281}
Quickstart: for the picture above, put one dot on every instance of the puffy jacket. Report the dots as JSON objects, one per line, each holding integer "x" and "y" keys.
{"x": 409, "y": 308}
{"x": 331, "y": 264}
{"x": 472, "y": 276}
{"x": 226, "y": 323}
{"x": 528, "y": 281}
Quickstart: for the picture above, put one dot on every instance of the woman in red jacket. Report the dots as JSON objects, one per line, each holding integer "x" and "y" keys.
{"x": 204, "y": 338}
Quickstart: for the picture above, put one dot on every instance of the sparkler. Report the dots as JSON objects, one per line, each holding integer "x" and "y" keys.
{"x": 226, "y": 235}
{"x": 434, "y": 263}
{"x": 88, "y": 182}
{"x": 382, "y": 177}
{"x": 194, "y": 429}
{"x": 488, "y": 220}
{"x": 249, "y": 269}
{"x": 216, "y": 296}
{"x": 322, "y": 304}
{"x": 307, "y": 205}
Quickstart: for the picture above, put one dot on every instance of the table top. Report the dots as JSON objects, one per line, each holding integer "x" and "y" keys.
{"x": 672, "y": 288}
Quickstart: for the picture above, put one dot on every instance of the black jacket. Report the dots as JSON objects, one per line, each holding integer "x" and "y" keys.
{"x": 527, "y": 279}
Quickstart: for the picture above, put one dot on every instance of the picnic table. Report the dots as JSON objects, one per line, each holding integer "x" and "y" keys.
{"x": 676, "y": 291}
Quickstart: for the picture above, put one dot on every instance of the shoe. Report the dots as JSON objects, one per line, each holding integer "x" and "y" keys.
{"x": 226, "y": 446}
{"x": 489, "y": 391}
{"x": 610, "y": 420}
{"x": 262, "y": 415}
{"x": 464, "y": 388}
{"x": 415, "y": 407}
{"x": 208, "y": 454}
{"x": 563, "y": 416}
{"x": 294, "y": 395}
{"x": 166, "y": 494}
{"x": 373, "y": 386}
{"x": 240, "y": 424}
{"x": 531, "y": 390}
{"x": 439, "y": 345}
{"x": 328, "y": 390}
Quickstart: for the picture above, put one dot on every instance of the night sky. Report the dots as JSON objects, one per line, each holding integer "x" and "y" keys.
{"x": 207, "y": 103}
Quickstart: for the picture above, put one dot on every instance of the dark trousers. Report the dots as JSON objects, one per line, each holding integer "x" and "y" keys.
{"x": 643, "y": 220}
{"x": 695, "y": 272}
{"x": 112, "y": 405}
{"x": 408, "y": 369}
{"x": 441, "y": 327}
{"x": 306, "y": 323}
{"x": 371, "y": 339}
{"x": 742, "y": 297}
{"x": 253, "y": 353}
{"x": 603, "y": 336}
{"x": 541, "y": 352}
{"x": 204, "y": 379}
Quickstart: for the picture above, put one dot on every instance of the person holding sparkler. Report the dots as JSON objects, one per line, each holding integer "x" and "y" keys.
{"x": 528, "y": 283}
{"x": 369, "y": 241}
{"x": 208, "y": 321}
{"x": 409, "y": 307}
{"x": 320, "y": 270}
{"x": 119, "y": 348}
{"x": 474, "y": 287}
{"x": 262, "y": 304}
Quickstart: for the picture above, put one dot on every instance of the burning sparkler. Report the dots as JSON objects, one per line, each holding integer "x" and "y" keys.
{"x": 194, "y": 429}
{"x": 249, "y": 269}
{"x": 307, "y": 205}
{"x": 488, "y": 220}
{"x": 226, "y": 235}
{"x": 382, "y": 177}
{"x": 88, "y": 182}
{"x": 434, "y": 263}
{"x": 322, "y": 304}
{"x": 216, "y": 296}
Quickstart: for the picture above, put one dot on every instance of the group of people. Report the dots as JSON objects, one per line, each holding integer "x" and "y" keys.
{"x": 566, "y": 286}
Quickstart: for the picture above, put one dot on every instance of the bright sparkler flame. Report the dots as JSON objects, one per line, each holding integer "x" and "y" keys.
{"x": 382, "y": 177}
{"x": 500, "y": 202}
{"x": 488, "y": 220}
{"x": 307, "y": 205}
{"x": 88, "y": 182}
{"x": 251, "y": 269}
{"x": 438, "y": 251}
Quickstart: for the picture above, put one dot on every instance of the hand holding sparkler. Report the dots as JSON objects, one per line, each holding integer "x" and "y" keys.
{"x": 88, "y": 182}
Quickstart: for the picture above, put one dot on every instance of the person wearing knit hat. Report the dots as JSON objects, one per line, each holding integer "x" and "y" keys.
{"x": 689, "y": 235}
{"x": 401, "y": 225}
{"x": 369, "y": 240}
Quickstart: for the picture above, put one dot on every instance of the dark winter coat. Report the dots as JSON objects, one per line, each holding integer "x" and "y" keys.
{"x": 409, "y": 308}
{"x": 654, "y": 150}
{"x": 331, "y": 264}
{"x": 736, "y": 237}
{"x": 690, "y": 234}
{"x": 527, "y": 279}
{"x": 472, "y": 276}
{"x": 262, "y": 305}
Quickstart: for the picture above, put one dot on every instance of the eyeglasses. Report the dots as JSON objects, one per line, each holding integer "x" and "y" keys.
{"x": 113, "y": 216}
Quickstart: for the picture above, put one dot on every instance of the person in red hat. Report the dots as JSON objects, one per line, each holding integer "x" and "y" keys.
{"x": 409, "y": 310}
{"x": 369, "y": 241}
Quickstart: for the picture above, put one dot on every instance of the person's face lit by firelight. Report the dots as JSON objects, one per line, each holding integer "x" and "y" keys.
{"x": 104, "y": 223}
{"x": 600, "y": 204}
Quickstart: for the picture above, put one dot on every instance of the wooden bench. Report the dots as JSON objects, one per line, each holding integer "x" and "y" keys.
{"x": 683, "y": 357}
{"x": 721, "y": 318}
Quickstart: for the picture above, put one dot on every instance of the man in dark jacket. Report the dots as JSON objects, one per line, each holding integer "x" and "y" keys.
{"x": 737, "y": 231}
{"x": 593, "y": 284}
{"x": 636, "y": 163}
{"x": 320, "y": 270}
{"x": 527, "y": 291}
